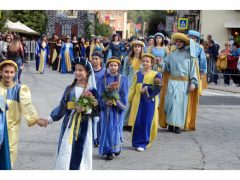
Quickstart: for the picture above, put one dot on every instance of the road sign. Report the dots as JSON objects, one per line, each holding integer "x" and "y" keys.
{"x": 183, "y": 23}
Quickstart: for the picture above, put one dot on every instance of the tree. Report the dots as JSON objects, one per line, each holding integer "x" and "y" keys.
{"x": 139, "y": 15}
{"x": 101, "y": 29}
{"x": 36, "y": 20}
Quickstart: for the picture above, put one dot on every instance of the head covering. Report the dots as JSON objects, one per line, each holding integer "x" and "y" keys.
{"x": 11, "y": 62}
{"x": 182, "y": 37}
{"x": 99, "y": 54}
{"x": 148, "y": 55}
{"x": 195, "y": 34}
{"x": 88, "y": 66}
{"x": 159, "y": 34}
{"x": 150, "y": 37}
{"x": 113, "y": 59}
{"x": 68, "y": 37}
{"x": 137, "y": 42}
{"x": 83, "y": 62}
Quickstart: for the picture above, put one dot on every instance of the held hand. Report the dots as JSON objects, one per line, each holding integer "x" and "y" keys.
{"x": 191, "y": 88}
{"x": 79, "y": 109}
{"x": 143, "y": 90}
{"x": 42, "y": 122}
{"x": 157, "y": 81}
{"x": 109, "y": 103}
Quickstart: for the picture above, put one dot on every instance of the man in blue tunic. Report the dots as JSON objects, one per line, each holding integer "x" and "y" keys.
{"x": 182, "y": 82}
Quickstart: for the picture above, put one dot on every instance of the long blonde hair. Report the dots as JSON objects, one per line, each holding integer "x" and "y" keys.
{"x": 131, "y": 54}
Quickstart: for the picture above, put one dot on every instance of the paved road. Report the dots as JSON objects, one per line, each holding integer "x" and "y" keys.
{"x": 214, "y": 145}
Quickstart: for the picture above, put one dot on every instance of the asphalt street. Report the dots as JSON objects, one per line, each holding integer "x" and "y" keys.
{"x": 213, "y": 146}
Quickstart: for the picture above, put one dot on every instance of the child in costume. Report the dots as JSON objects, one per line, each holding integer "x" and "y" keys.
{"x": 143, "y": 94}
{"x": 99, "y": 72}
{"x": 114, "y": 91}
{"x": 75, "y": 141}
{"x": 18, "y": 100}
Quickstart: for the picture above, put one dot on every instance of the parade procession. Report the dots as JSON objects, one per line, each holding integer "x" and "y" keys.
{"x": 104, "y": 95}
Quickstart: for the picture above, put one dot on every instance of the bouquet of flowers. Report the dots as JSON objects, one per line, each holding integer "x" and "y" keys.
{"x": 112, "y": 93}
{"x": 86, "y": 101}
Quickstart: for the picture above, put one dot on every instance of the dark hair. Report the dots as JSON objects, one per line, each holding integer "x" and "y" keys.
{"x": 155, "y": 41}
{"x": 69, "y": 88}
{"x": 235, "y": 44}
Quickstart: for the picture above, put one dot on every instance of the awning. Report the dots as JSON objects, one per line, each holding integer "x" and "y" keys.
{"x": 232, "y": 24}
{"x": 19, "y": 27}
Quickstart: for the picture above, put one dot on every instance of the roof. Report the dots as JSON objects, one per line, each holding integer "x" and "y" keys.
{"x": 232, "y": 24}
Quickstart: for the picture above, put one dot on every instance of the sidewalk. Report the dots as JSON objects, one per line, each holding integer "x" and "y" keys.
{"x": 225, "y": 88}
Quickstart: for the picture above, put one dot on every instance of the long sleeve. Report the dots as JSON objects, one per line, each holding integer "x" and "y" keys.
{"x": 2, "y": 118}
{"x": 1, "y": 127}
{"x": 91, "y": 51}
{"x": 109, "y": 55}
{"x": 97, "y": 109}
{"x": 193, "y": 73}
{"x": 166, "y": 64}
{"x": 126, "y": 67}
{"x": 132, "y": 89}
{"x": 28, "y": 110}
{"x": 101, "y": 90}
{"x": 104, "y": 48}
{"x": 202, "y": 61}
{"x": 152, "y": 92}
{"x": 123, "y": 93}
{"x": 58, "y": 112}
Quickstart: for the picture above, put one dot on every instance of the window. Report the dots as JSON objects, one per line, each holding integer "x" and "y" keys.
{"x": 71, "y": 14}
{"x": 66, "y": 29}
{"x": 61, "y": 13}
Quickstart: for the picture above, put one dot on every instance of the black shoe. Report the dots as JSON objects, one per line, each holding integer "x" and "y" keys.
{"x": 117, "y": 153}
{"x": 127, "y": 128}
{"x": 109, "y": 156}
{"x": 170, "y": 128}
{"x": 177, "y": 130}
{"x": 96, "y": 144}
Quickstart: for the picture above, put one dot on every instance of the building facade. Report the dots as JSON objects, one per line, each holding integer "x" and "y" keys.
{"x": 220, "y": 24}
{"x": 117, "y": 20}
{"x": 63, "y": 22}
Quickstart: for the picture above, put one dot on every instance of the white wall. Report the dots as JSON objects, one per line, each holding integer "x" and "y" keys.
{"x": 212, "y": 22}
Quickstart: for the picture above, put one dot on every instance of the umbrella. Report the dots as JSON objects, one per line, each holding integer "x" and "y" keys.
{"x": 19, "y": 27}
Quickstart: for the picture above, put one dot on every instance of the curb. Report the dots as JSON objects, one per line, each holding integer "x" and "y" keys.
{"x": 227, "y": 89}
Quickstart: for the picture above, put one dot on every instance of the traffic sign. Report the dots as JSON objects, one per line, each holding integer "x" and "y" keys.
{"x": 183, "y": 23}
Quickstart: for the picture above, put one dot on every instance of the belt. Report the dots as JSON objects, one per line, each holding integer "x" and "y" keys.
{"x": 179, "y": 78}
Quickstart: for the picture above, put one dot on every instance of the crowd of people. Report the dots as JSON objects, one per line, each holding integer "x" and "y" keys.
{"x": 137, "y": 84}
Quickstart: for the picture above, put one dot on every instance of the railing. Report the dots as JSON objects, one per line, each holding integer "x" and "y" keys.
{"x": 31, "y": 49}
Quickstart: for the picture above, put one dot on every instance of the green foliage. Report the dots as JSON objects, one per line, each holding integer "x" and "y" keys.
{"x": 139, "y": 15}
{"x": 36, "y": 20}
{"x": 102, "y": 29}
{"x": 88, "y": 30}
{"x": 237, "y": 39}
